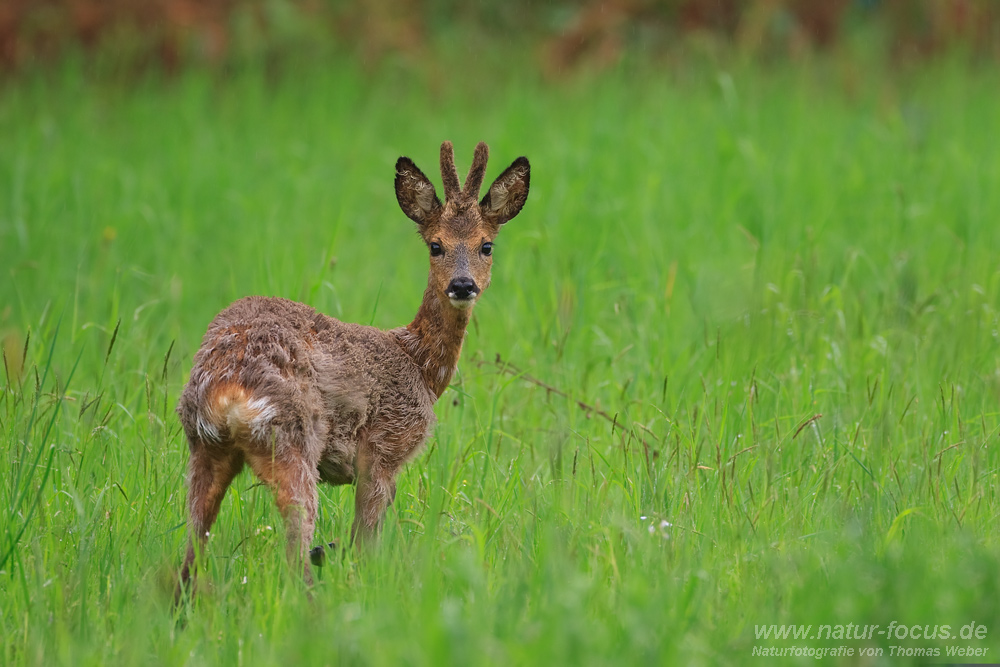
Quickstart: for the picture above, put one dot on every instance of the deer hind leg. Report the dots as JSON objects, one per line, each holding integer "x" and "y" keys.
{"x": 376, "y": 490}
{"x": 210, "y": 472}
{"x": 293, "y": 480}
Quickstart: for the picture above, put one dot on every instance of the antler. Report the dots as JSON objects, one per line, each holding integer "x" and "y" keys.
{"x": 474, "y": 181}
{"x": 448, "y": 172}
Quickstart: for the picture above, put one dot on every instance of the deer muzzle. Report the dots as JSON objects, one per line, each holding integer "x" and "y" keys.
{"x": 462, "y": 291}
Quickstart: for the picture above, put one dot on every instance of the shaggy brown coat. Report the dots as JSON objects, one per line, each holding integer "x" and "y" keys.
{"x": 303, "y": 398}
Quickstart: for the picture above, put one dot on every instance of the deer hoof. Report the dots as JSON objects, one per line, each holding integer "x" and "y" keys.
{"x": 317, "y": 555}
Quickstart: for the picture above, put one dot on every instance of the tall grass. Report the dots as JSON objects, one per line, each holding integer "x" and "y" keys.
{"x": 782, "y": 287}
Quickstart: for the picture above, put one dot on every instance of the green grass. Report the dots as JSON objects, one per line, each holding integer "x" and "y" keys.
{"x": 714, "y": 258}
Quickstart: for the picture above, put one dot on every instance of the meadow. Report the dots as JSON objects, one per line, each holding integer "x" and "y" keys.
{"x": 739, "y": 364}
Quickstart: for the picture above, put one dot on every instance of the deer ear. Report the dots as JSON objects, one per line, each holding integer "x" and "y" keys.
{"x": 415, "y": 193}
{"x": 508, "y": 193}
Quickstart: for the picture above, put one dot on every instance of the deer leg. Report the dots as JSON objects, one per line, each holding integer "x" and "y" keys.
{"x": 210, "y": 471}
{"x": 376, "y": 489}
{"x": 293, "y": 481}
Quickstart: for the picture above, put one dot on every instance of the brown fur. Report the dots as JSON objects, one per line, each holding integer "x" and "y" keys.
{"x": 304, "y": 398}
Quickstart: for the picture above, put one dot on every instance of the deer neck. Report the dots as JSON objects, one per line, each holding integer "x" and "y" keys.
{"x": 434, "y": 339}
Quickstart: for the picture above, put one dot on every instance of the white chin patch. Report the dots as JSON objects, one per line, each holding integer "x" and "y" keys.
{"x": 462, "y": 304}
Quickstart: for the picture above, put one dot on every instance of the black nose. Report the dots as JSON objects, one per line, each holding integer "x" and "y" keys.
{"x": 462, "y": 288}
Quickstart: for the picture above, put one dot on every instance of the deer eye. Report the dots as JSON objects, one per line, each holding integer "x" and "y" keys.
{"x": 487, "y": 248}
{"x": 436, "y": 249}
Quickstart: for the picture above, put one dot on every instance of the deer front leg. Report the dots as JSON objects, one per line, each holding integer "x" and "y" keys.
{"x": 376, "y": 489}
{"x": 293, "y": 481}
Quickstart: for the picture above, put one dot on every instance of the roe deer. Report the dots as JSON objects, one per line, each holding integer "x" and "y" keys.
{"x": 304, "y": 398}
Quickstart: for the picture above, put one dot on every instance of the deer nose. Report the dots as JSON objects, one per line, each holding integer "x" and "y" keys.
{"x": 462, "y": 288}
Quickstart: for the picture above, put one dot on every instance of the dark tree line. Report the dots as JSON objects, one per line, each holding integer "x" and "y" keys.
{"x": 171, "y": 33}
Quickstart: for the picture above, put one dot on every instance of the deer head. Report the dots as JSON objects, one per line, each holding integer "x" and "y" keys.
{"x": 460, "y": 233}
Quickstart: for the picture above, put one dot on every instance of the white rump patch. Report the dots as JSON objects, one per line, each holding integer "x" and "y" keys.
{"x": 207, "y": 429}
{"x": 232, "y": 411}
{"x": 260, "y": 412}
